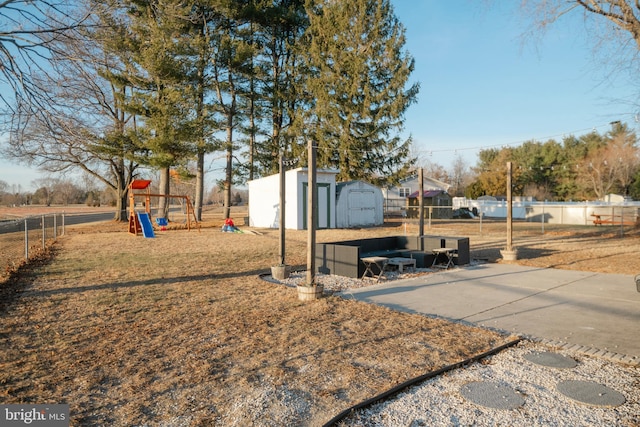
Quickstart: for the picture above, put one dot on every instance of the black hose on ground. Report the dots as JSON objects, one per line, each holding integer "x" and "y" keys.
{"x": 395, "y": 390}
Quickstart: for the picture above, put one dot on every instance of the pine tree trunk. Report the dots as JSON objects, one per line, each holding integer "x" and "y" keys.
{"x": 227, "y": 184}
{"x": 165, "y": 185}
{"x": 199, "y": 185}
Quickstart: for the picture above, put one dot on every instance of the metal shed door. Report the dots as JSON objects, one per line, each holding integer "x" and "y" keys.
{"x": 323, "y": 207}
{"x": 362, "y": 208}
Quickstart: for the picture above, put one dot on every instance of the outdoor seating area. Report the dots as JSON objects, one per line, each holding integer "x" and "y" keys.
{"x": 448, "y": 254}
{"x": 370, "y": 257}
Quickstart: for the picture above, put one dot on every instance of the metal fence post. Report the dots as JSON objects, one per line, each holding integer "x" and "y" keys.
{"x": 44, "y": 235}
{"x": 26, "y": 240}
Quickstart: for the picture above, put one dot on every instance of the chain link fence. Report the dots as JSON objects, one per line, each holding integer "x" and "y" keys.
{"x": 22, "y": 239}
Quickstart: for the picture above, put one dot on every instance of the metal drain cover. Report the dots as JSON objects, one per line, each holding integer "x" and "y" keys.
{"x": 491, "y": 395}
{"x": 591, "y": 393}
{"x": 552, "y": 360}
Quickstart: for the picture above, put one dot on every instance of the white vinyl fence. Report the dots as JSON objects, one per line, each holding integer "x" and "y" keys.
{"x": 568, "y": 213}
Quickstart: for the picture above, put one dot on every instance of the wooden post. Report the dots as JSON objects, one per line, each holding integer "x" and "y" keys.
{"x": 421, "y": 202}
{"x": 311, "y": 216}
{"x": 509, "y": 253}
{"x": 282, "y": 211}
{"x": 509, "y": 210}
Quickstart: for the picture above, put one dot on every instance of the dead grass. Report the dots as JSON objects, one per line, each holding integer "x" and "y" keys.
{"x": 180, "y": 330}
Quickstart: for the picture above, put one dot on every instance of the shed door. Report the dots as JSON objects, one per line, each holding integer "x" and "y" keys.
{"x": 362, "y": 208}
{"x": 323, "y": 207}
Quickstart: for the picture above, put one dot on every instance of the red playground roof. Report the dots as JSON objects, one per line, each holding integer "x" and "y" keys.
{"x": 139, "y": 184}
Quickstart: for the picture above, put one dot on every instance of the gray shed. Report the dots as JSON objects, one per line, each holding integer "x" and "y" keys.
{"x": 358, "y": 204}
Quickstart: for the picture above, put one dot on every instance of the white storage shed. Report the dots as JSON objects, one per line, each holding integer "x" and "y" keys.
{"x": 358, "y": 204}
{"x": 264, "y": 199}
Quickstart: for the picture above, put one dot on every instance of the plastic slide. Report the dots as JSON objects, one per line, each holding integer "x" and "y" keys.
{"x": 145, "y": 223}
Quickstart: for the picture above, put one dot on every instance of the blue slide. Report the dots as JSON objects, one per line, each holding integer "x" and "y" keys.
{"x": 145, "y": 223}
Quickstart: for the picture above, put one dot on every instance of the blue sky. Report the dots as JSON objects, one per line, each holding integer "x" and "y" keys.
{"x": 482, "y": 87}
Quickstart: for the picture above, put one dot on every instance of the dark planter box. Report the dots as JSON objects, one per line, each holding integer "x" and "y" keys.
{"x": 460, "y": 243}
{"x": 344, "y": 258}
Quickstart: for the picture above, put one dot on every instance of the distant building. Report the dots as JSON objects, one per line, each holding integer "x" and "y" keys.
{"x": 437, "y": 204}
{"x": 395, "y": 198}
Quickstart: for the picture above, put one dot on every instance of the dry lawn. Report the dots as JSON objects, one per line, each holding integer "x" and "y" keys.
{"x": 181, "y": 330}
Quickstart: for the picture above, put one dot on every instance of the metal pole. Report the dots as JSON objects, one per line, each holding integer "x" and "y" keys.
{"x": 26, "y": 240}
{"x": 311, "y": 216}
{"x": 282, "y": 210}
{"x": 44, "y": 236}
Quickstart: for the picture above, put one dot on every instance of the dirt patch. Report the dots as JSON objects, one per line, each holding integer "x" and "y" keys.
{"x": 180, "y": 329}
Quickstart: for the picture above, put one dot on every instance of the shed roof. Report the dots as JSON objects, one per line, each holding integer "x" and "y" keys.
{"x": 347, "y": 184}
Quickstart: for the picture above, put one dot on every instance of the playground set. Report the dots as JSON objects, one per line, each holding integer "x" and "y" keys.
{"x": 140, "y": 222}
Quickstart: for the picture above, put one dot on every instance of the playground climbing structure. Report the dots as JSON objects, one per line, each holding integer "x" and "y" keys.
{"x": 141, "y": 223}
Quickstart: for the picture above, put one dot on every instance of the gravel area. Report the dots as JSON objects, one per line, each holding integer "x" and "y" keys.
{"x": 440, "y": 401}
{"x": 335, "y": 284}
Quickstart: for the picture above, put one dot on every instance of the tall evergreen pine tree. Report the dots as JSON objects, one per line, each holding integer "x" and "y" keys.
{"x": 357, "y": 74}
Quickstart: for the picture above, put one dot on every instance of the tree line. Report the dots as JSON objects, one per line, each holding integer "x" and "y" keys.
{"x": 577, "y": 168}
{"x": 117, "y": 87}
{"x": 63, "y": 191}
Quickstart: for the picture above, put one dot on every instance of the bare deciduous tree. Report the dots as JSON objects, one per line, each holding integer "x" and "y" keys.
{"x": 610, "y": 168}
{"x": 460, "y": 176}
{"x": 613, "y": 27}
{"x": 28, "y": 35}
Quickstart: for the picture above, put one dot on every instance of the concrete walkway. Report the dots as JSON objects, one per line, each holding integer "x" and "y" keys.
{"x": 591, "y": 312}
